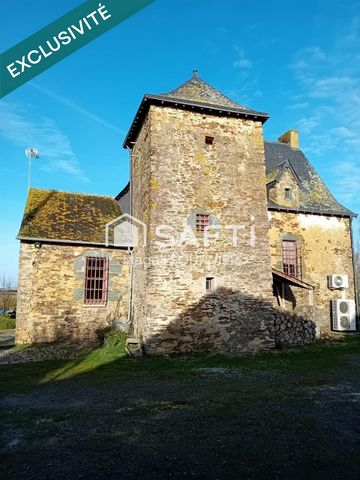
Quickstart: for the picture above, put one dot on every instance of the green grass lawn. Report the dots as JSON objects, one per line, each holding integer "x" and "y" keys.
{"x": 110, "y": 362}
{"x": 6, "y": 323}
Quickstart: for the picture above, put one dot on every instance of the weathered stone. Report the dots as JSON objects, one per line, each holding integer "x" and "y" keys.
{"x": 174, "y": 175}
{"x": 133, "y": 347}
{"x": 121, "y": 325}
{"x": 324, "y": 245}
{"x": 51, "y": 295}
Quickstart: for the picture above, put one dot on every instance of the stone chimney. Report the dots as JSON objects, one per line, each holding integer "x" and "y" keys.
{"x": 291, "y": 137}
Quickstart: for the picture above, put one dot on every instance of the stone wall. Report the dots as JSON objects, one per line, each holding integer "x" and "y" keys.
{"x": 325, "y": 249}
{"x": 51, "y": 294}
{"x": 176, "y": 175}
{"x": 141, "y": 184}
{"x": 293, "y": 330}
{"x": 277, "y": 192}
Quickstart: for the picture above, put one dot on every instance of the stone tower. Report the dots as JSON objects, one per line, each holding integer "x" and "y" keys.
{"x": 198, "y": 167}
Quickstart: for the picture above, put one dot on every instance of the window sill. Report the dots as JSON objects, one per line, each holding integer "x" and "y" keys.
{"x": 100, "y": 305}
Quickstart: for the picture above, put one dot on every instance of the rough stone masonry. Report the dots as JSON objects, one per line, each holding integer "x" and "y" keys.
{"x": 176, "y": 175}
{"x": 196, "y": 156}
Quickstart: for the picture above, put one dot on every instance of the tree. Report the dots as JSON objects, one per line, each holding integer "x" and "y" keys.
{"x": 7, "y": 292}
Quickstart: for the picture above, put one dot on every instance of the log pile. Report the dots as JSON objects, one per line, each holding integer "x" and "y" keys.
{"x": 293, "y": 330}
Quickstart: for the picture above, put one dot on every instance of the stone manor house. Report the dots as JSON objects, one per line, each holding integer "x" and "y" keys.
{"x": 198, "y": 162}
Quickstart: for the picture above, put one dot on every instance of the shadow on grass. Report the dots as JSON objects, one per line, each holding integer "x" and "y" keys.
{"x": 238, "y": 321}
{"x": 107, "y": 365}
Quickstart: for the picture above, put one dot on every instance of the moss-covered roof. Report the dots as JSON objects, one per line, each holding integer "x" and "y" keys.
{"x": 74, "y": 217}
{"x": 314, "y": 196}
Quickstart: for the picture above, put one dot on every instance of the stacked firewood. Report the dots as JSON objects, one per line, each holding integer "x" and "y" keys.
{"x": 293, "y": 330}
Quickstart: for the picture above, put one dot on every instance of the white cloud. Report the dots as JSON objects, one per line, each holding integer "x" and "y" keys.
{"x": 328, "y": 84}
{"x": 77, "y": 108}
{"x": 303, "y": 62}
{"x": 334, "y": 99}
{"x": 346, "y": 179}
{"x": 299, "y": 105}
{"x": 307, "y": 124}
{"x": 242, "y": 62}
{"x": 26, "y": 129}
{"x": 331, "y": 87}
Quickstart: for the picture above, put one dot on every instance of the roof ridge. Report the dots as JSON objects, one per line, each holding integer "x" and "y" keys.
{"x": 196, "y": 79}
{"x": 276, "y": 142}
{"x": 72, "y": 193}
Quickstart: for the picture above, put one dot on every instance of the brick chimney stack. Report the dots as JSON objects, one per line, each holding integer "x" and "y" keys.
{"x": 291, "y": 137}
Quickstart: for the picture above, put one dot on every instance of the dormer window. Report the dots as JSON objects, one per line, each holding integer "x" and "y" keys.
{"x": 288, "y": 194}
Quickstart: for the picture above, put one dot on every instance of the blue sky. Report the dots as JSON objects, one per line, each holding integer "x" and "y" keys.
{"x": 298, "y": 61}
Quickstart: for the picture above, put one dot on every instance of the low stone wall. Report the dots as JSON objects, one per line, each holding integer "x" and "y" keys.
{"x": 293, "y": 330}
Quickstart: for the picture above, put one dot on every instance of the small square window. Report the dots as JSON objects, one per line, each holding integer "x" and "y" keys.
{"x": 288, "y": 194}
{"x": 202, "y": 221}
{"x": 209, "y": 140}
{"x": 210, "y": 284}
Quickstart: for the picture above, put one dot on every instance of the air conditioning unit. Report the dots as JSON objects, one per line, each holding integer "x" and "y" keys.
{"x": 343, "y": 315}
{"x": 338, "y": 281}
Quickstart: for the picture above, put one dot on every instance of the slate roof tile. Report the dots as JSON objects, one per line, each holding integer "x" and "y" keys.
{"x": 314, "y": 195}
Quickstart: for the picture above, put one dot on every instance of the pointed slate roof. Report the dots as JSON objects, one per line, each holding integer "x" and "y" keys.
{"x": 314, "y": 196}
{"x": 275, "y": 174}
{"x": 195, "y": 94}
{"x": 197, "y": 91}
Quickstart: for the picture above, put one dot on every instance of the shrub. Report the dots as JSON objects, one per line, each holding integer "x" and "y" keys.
{"x": 116, "y": 340}
{"x": 7, "y": 323}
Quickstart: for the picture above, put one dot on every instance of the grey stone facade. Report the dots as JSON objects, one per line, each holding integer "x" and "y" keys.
{"x": 175, "y": 174}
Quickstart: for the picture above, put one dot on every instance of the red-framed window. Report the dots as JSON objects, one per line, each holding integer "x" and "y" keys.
{"x": 202, "y": 221}
{"x": 96, "y": 280}
{"x": 290, "y": 257}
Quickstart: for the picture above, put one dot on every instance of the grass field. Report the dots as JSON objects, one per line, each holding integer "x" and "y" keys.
{"x": 110, "y": 362}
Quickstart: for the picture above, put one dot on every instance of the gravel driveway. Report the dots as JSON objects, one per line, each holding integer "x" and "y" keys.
{"x": 220, "y": 423}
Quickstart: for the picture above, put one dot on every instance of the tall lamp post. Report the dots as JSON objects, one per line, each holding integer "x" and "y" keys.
{"x": 30, "y": 154}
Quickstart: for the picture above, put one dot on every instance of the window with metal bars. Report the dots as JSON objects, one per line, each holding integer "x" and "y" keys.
{"x": 202, "y": 221}
{"x": 96, "y": 280}
{"x": 290, "y": 258}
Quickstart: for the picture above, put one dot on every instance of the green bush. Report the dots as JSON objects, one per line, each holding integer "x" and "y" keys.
{"x": 7, "y": 323}
{"x": 116, "y": 340}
